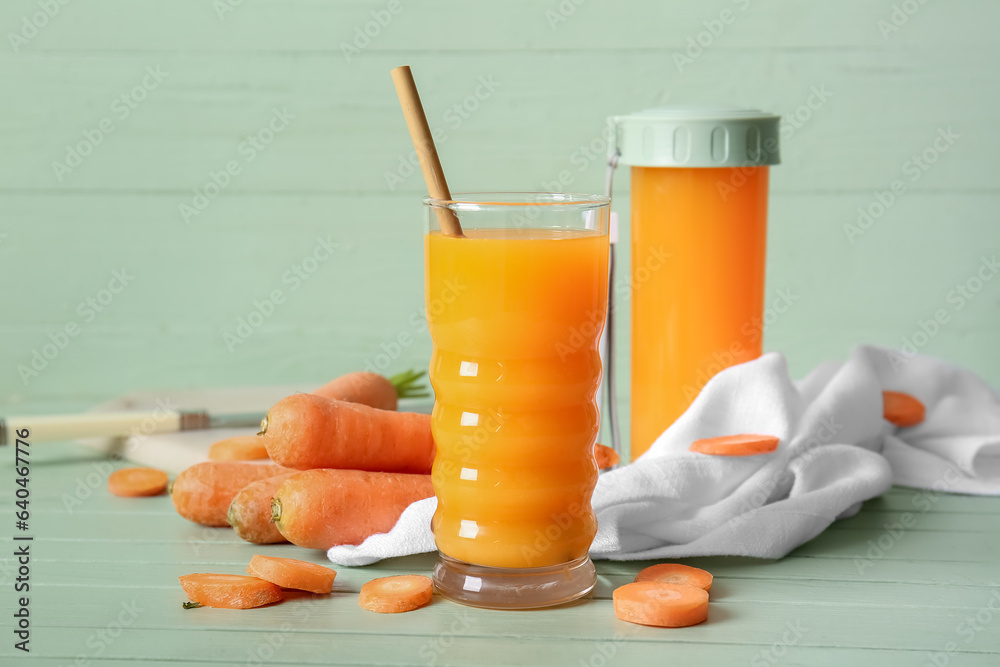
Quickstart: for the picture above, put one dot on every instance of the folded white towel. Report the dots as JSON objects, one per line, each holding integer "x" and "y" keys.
{"x": 835, "y": 452}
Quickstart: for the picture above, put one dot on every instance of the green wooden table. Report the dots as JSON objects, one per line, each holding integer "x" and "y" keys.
{"x": 914, "y": 579}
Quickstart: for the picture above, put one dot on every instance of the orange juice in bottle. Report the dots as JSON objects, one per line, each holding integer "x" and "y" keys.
{"x": 515, "y": 309}
{"x": 699, "y": 236}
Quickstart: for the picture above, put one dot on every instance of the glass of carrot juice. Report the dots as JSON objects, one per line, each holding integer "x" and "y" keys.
{"x": 516, "y": 307}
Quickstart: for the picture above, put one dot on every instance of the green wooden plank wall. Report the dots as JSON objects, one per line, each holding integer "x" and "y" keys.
{"x": 121, "y": 117}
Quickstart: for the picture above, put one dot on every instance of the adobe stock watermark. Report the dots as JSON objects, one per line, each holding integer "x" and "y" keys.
{"x": 581, "y": 158}
{"x": 914, "y": 169}
{"x": 827, "y": 428}
{"x": 99, "y": 641}
{"x": 32, "y": 24}
{"x": 365, "y": 34}
{"x": 208, "y": 535}
{"x": 121, "y": 108}
{"x": 893, "y": 532}
{"x": 455, "y": 116}
{"x": 294, "y": 277}
{"x": 714, "y": 28}
{"x": 393, "y": 349}
{"x": 971, "y": 627}
{"x": 483, "y": 425}
{"x": 791, "y": 123}
{"x": 545, "y": 544}
{"x": 270, "y": 644}
{"x": 604, "y": 652}
{"x": 432, "y": 649}
{"x": 899, "y": 16}
{"x": 478, "y": 428}
{"x": 97, "y": 479}
{"x": 550, "y": 538}
{"x": 248, "y": 150}
{"x": 88, "y": 310}
{"x": 958, "y": 298}
{"x": 588, "y": 332}
{"x": 753, "y": 329}
{"x": 640, "y": 275}
{"x": 562, "y": 12}
{"x": 773, "y": 654}
{"x": 225, "y": 7}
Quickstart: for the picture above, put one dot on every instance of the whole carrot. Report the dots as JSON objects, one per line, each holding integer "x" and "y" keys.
{"x": 202, "y": 493}
{"x": 374, "y": 390}
{"x": 306, "y": 431}
{"x": 318, "y": 509}
{"x": 250, "y": 512}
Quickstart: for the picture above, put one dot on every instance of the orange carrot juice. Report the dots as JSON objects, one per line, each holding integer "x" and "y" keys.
{"x": 515, "y": 316}
{"x": 698, "y": 311}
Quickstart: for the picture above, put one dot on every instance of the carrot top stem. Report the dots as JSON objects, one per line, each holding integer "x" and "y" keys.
{"x": 275, "y": 510}
{"x": 192, "y": 605}
{"x": 406, "y": 384}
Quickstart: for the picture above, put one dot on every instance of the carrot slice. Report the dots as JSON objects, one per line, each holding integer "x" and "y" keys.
{"x": 735, "y": 445}
{"x": 675, "y": 573}
{"x": 239, "y": 448}
{"x": 392, "y": 595}
{"x": 292, "y": 573}
{"x": 606, "y": 457}
{"x": 661, "y": 605}
{"x": 136, "y": 482}
{"x": 901, "y": 409}
{"x": 229, "y": 591}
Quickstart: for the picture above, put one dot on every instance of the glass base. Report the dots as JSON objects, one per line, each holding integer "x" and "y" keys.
{"x": 513, "y": 588}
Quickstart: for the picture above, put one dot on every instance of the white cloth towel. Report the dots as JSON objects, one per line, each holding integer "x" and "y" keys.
{"x": 835, "y": 452}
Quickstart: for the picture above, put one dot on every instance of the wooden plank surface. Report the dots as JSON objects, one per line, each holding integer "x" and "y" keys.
{"x": 104, "y": 590}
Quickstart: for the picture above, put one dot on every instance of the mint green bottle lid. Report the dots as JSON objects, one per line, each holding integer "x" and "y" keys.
{"x": 696, "y": 136}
